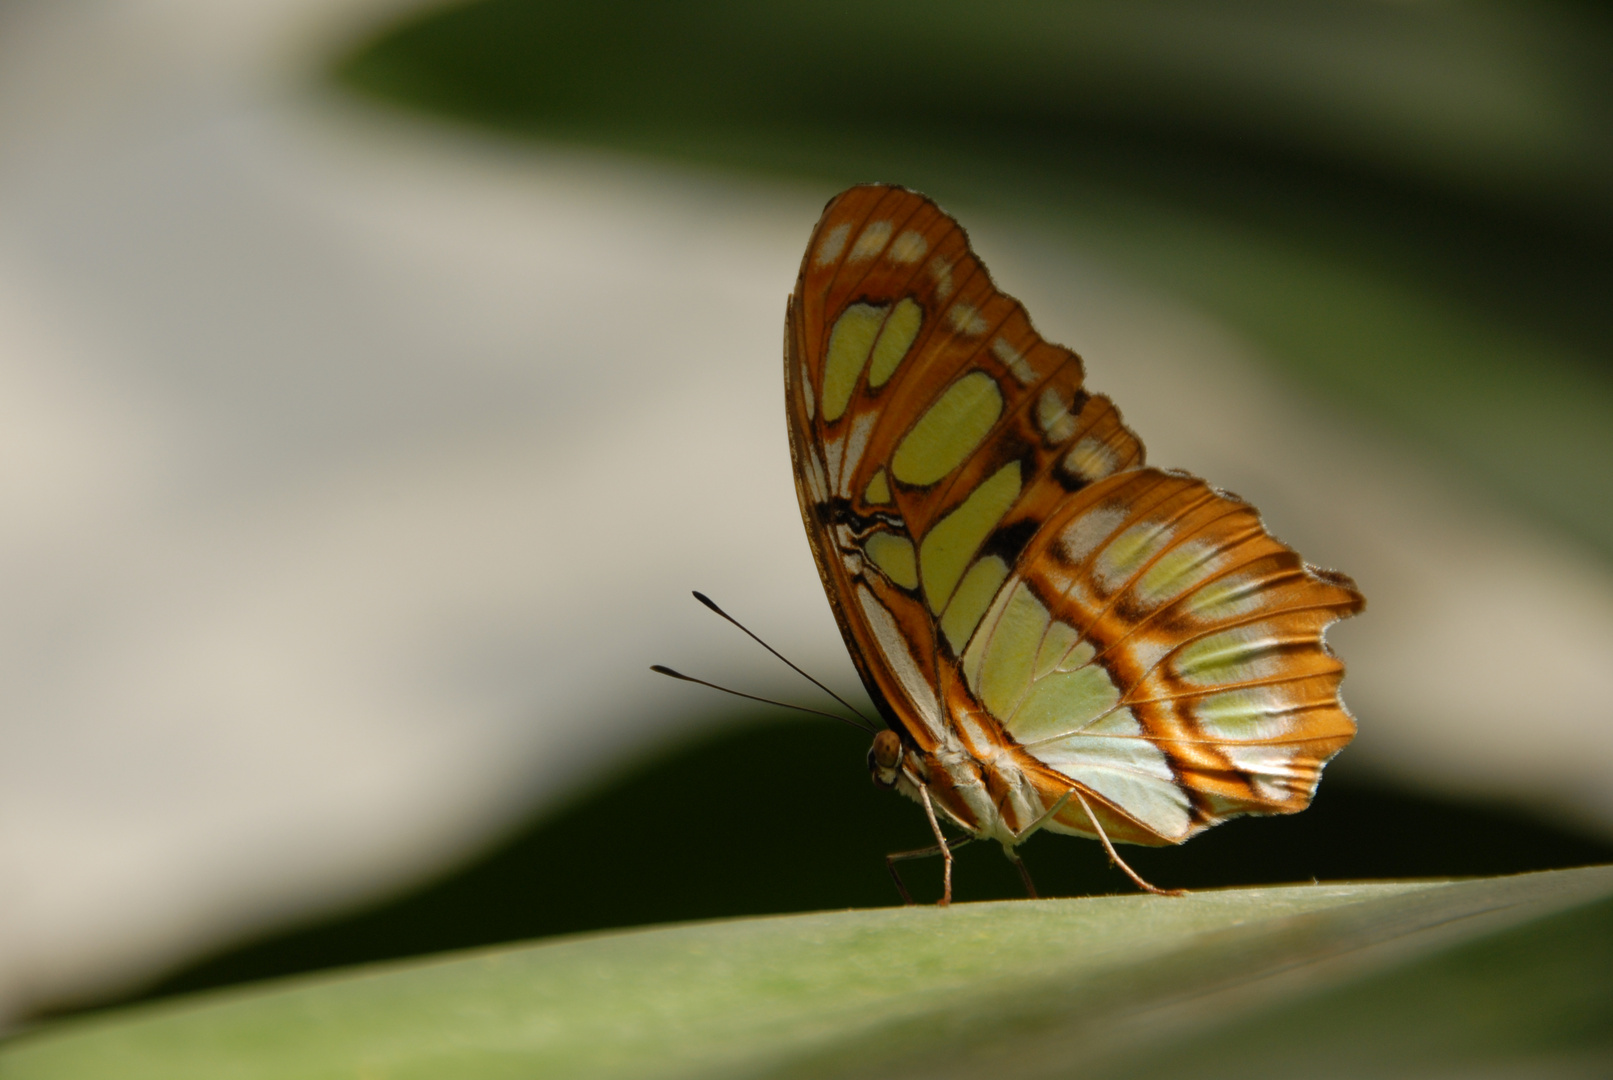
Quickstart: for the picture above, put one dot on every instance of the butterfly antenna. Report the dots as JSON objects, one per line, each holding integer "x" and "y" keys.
{"x": 712, "y": 604}
{"x": 662, "y": 669}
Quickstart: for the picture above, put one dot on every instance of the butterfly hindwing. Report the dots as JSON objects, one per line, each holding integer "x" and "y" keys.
{"x": 1157, "y": 645}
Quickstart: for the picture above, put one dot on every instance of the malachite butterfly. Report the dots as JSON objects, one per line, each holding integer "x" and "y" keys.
{"x": 1057, "y": 635}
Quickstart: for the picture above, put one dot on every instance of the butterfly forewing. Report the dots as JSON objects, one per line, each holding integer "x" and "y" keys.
{"x": 924, "y": 412}
{"x": 1005, "y": 569}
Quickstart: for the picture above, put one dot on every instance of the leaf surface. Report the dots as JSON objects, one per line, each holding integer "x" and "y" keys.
{"x": 1103, "y": 986}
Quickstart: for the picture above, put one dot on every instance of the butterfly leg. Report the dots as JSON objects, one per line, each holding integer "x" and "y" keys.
{"x": 1024, "y": 874}
{"x": 1025, "y": 834}
{"x": 940, "y": 842}
{"x": 934, "y": 849}
{"x": 1118, "y": 861}
{"x": 890, "y": 864}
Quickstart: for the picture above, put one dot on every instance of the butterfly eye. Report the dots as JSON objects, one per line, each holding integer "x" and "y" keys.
{"x": 884, "y": 757}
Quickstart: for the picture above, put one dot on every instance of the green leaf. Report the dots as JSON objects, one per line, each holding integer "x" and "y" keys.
{"x": 1390, "y": 979}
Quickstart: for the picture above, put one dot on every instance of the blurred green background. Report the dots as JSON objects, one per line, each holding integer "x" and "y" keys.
{"x": 1409, "y": 206}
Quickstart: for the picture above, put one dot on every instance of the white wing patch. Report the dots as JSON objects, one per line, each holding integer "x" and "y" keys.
{"x": 1270, "y": 768}
{"x": 856, "y": 443}
{"x": 1082, "y": 536}
{"x": 832, "y": 244}
{"x": 833, "y": 450}
{"x": 817, "y": 487}
{"x": 1053, "y": 416}
{"x": 900, "y": 661}
{"x": 1114, "y": 759}
{"x": 1090, "y": 459}
{"x": 966, "y": 320}
{"x": 909, "y": 248}
{"x": 871, "y": 241}
{"x": 808, "y": 397}
{"x": 1014, "y": 361}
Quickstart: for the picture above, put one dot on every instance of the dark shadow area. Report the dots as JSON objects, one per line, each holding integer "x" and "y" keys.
{"x": 781, "y": 817}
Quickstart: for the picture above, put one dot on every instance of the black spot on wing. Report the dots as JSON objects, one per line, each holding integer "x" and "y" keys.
{"x": 1008, "y": 541}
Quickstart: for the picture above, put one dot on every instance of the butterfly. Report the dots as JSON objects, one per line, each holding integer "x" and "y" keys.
{"x": 1058, "y": 636}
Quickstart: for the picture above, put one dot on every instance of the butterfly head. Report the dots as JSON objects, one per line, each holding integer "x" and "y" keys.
{"x": 885, "y": 758}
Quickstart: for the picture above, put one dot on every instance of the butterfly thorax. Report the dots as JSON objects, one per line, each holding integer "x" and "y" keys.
{"x": 979, "y": 785}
